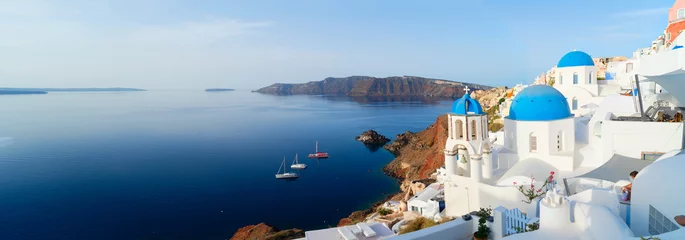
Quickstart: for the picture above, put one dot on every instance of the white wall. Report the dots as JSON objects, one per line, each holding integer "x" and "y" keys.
{"x": 598, "y": 222}
{"x": 623, "y": 77}
{"x": 519, "y": 132}
{"x": 583, "y": 97}
{"x": 464, "y": 195}
{"x": 665, "y": 68}
{"x": 455, "y": 229}
{"x": 657, "y": 185}
{"x": 583, "y": 78}
{"x": 630, "y": 138}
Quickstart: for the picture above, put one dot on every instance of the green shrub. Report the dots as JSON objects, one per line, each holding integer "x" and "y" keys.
{"x": 483, "y": 230}
{"x": 384, "y": 211}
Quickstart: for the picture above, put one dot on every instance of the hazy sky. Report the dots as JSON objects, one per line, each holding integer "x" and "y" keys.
{"x": 247, "y": 44}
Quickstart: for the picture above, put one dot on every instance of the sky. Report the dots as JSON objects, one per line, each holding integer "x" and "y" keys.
{"x": 174, "y": 44}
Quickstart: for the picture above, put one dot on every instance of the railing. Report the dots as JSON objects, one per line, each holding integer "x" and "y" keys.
{"x": 516, "y": 221}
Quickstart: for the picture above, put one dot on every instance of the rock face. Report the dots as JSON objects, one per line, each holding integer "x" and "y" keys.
{"x": 372, "y": 86}
{"x": 266, "y": 232}
{"x": 372, "y": 137}
{"x": 489, "y": 98}
{"x": 401, "y": 141}
{"x": 422, "y": 153}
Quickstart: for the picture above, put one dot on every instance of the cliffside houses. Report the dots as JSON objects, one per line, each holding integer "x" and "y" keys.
{"x": 558, "y": 167}
{"x": 574, "y": 144}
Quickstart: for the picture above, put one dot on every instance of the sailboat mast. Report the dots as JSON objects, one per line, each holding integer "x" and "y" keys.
{"x": 317, "y": 147}
{"x": 285, "y": 169}
{"x": 282, "y": 164}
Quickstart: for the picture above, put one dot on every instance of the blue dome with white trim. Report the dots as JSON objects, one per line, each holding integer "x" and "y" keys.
{"x": 539, "y": 103}
{"x": 575, "y": 59}
{"x": 466, "y": 105}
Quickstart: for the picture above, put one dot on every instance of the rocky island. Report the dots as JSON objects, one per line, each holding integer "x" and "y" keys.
{"x": 219, "y": 90}
{"x": 356, "y": 86}
{"x": 372, "y": 138}
{"x": 20, "y": 92}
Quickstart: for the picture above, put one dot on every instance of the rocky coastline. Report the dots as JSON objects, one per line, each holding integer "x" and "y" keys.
{"x": 417, "y": 155}
{"x": 357, "y": 86}
{"x": 263, "y": 231}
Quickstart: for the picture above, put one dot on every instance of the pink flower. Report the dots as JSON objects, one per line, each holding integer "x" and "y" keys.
{"x": 514, "y": 183}
{"x": 539, "y": 190}
{"x": 552, "y": 172}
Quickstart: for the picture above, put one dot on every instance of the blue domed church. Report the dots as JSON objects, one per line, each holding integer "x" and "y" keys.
{"x": 540, "y": 126}
{"x": 576, "y": 77}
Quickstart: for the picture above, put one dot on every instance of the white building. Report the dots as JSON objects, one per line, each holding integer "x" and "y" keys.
{"x": 542, "y": 135}
{"x": 427, "y": 202}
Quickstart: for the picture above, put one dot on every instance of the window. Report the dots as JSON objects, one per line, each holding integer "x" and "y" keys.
{"x": 589, "y": 78}
{"x": 561, "y": 79}
{"x": 474, "y": 130}
{"x": 658, "y": 223}
{"x": 414, "y": 209}
{"x": 574, "y": 104}
{"x": 460, "y": 129}
{"x": 575, "y": 78}
{"x": 629, "y": 67}
{"x": 651, "y": 156}
{"x": 681, "y": 13}
{"x": 560, "y": 143}
{"x": 533, "y": 142}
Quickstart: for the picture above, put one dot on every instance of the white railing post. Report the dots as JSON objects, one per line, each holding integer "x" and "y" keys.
{"x": 498, "y": 226}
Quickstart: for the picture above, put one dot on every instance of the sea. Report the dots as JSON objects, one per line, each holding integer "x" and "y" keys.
{"x": 190, "y": 164}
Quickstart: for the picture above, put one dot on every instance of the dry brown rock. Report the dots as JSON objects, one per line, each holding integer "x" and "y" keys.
{"x": 266, "y": 232}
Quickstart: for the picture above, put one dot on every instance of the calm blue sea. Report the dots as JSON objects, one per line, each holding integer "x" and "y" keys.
{"x": 189, "y": 164}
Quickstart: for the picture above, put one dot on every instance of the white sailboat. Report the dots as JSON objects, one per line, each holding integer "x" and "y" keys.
{"x": 285, "y": 174}
{"x": 297, "y": 165}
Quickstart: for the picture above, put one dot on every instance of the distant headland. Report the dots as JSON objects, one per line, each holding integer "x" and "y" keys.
{"x": 13, "y": 91}
{"x": 373, "y": 86}
{"x": 219, "y": 90}
{"x": 19, "y": 92}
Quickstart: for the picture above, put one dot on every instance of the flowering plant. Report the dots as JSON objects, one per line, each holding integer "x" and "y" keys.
{"x": 532, "y": 193}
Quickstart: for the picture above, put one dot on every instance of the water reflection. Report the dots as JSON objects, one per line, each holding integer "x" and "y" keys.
{"x": 386, "y": 99}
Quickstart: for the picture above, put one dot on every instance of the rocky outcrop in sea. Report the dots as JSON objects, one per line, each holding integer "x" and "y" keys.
{"x": 372, "y": 138}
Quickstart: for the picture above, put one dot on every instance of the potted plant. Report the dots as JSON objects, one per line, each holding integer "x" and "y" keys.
{"x": 483, "y": 231}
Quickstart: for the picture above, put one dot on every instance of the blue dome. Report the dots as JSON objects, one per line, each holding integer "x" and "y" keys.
{"x": 467, "y": 105}
{"x": 539, "y": 103}
{"x": 575, "y": 59}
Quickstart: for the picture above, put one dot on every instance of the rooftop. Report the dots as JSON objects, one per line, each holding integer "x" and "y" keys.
{"x": 353, "y": 232}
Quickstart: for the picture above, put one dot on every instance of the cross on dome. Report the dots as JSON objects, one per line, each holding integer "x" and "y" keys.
{"x": 466, "y": 90}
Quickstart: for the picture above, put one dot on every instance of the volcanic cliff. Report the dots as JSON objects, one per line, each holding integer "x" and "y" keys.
{"x": 266, "y": 232}
{"x": 373, "y": 87}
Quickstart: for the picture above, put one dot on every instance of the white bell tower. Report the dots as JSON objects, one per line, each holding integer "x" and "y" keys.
{"x": 467, "y": 134}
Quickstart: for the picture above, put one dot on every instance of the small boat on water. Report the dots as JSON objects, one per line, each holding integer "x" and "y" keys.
{"x": 297, "y": 165}
{"x": 318, "y": 154}
{"x": 285, "y": 174}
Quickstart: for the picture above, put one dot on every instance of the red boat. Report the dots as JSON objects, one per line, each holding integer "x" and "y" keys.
{"x": 318, "y": 154}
